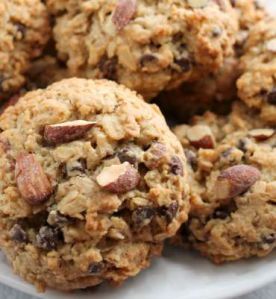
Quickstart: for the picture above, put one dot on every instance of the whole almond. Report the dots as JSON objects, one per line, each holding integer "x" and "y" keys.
{"x": 201, "y": 136}
{"x": 124, "y": 12}
{"x": 235, "y": 180}
{"x": 66, "y": 132}
{"x": 119, "y": 178}
{"x": 32, "y": 182}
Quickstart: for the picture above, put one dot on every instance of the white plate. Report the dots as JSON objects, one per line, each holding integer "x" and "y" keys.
{"x": 177, "y": 274}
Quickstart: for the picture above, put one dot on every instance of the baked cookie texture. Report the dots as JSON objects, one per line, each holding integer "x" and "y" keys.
{"x": 24, "y": 30}
{"x": 256, "y": 86}
{"x": 147, "y": 45}
{"x": 233, "y": 184}
{"x": 92, "y": 182}
{"x": 215, "y": 90}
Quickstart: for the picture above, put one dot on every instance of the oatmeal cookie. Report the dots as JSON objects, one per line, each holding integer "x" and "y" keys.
{"x": 147, "y": 45}
{"x": 24, "y": 30}
{"x": 46, "y": 71}
{"x": 233, "y": 181}
{"x": 92, "y": 182}
{"x": 215, "y": 90}
{"x": 257, "y": 85}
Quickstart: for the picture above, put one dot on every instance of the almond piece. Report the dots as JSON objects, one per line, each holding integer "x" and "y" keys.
{"x": 235, "y": 180}
{"x": 66, "y": 132}
{"x": 124, "y": 12}
{"x": 261, "y": 134}
{"x": 201, "y": 136}
{"x": 32, "y": 182}
{"x": 119, "y": 178}
{"x": 197, "y": 3}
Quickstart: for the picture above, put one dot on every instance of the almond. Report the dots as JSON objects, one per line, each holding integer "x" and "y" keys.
{"x": 261, "y": 134}
{"x": 118, "y": 178}
{"x": 201, "y": 136}
{"x": 32, "y": 182}
{"x": 124, "y": 12}
{"x": 235, "y": 180}
{"x": 197, "y": 3}
{"x": 66, "y": 132}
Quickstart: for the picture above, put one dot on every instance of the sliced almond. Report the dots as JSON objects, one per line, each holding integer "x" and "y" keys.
{"x": 66, "y": 132}
{"x": 197, "y": 3}
{"x": 124, "y": 12}
{"x": 118, "y": 178}
{"x": 32, "y": 182}
{"x": 235, "y": 180}
{"x": 271, "y": 45}
{"x": 201, "y": 136}
{"x": 261, "y": 134}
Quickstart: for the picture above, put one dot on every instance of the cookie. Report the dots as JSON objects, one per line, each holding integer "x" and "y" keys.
{"x": 256, "y": 86}
{"x": 149, "y": 46}
{"x": 92, "y": 182}
{"x": 233, "y": 182}
{"x": 45, "y": 71}
{"x": 24, "y": 31}
{"x": 215, "y": 90}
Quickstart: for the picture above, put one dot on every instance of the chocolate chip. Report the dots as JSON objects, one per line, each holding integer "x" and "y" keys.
{"x": 21, "y": 29}
{"x": 271, "y": 97}
{"x": 221, "y": 214}
{"x": 108, "y": 67}
{"x": 126, "y": 155}
{"x": 72, "y": 168}
{"x": 48, "y": 238}
{"x": 142, "y": 216}
{"x": 170, "y": 211}
{"x": 148, "y": 59}
{"x": 243, "y": 145}
{"x": 269, "y": 239}
{"x": 75, "y": 168}
{"x": 177, "y": 37}
{"x": 216, "y": 32}
{"x": 184, "y": 63}
{"x": 57, "y": 219}
{"x": 96, "y": 268}
{"x": 18, "y": 234}
{"x": 191, "y": 158}
{"x": 176, "y": 166}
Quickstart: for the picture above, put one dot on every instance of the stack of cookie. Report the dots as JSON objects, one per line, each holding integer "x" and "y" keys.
{"x": 92, "y": 179}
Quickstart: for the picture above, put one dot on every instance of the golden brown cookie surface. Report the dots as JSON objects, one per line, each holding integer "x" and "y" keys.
{"x": 92, "y": 182}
